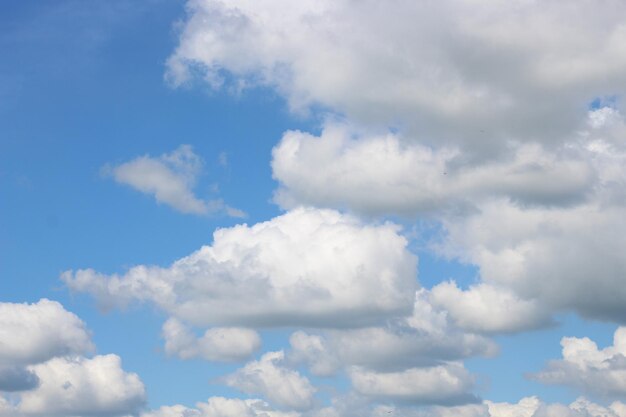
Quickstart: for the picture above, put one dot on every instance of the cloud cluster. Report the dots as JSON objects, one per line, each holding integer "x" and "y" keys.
{"x": 494, "y": 137}
{"x": 540, "y": 222}
{"x": 356, "y": 407}
{"x": 34, "y": 333}
{"x": 171, "y": 179}
{"x": 447, "y": 384}
{"x": 533, "y": 407}
{"x": 222, "y": 407}
{"x": 41, "y": 363}
{"x": 599, "y": 372}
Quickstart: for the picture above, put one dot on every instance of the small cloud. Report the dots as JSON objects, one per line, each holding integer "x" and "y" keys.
{"x": 170, "y": 178}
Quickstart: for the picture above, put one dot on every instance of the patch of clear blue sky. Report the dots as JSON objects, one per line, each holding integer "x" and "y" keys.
{"x": 81, "y": 85}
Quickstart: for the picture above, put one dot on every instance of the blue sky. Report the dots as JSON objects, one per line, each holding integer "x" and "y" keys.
{"x": 417, "y": 209}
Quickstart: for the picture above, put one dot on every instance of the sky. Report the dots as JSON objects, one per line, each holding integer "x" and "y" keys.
{"x": 329, "y": 208}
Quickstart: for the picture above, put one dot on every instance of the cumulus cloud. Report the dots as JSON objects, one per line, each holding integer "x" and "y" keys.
{"x": 493, "y": 133}
{"x": 37, "y": 332}
{"x": 540, "y": 222}
{"x": 526, "y": 407}
{"x": 217, "y": 344}
{"x": 280, "y": 272}
{"x": 534, "y": 407}
{"x": 171, "y": 179}
{"x": 447, "y": 384}
{"x": 485, "y": 308}
{"x": 16, "y": 378}
{"x": 423, "y": 339}
{"x": 599, "y": 372}
{"x": 381, "y": 173}
{"x": 82, "y": 386}
{"x": 451, "y": 69}
{"x": 42, "y": 369}
{"x": 270, "y": 378}
{"x": 566, "y": 258}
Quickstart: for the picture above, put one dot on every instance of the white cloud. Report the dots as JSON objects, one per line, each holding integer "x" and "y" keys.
{"x": 81, "y": 386}
{"x": 488, "y": 309}
{"x": 381, "y": 173}
{"x": 270, "y": 378}
{"x": 534, "y": 407}
{"x": 422, "y": 339}
{"x": 170, "y": 178}
{"x": 496, "y": 140}
{"x": 17, "y": 378}
{"x": 222, "y": 407}
{"x": 565, "y": 259}
{"x": 217, "y": 344}
{"x": 600, "y": 372}
{"x": 33, "y": 333}
{"x": 526, "y": 407}
{"x": 279, "y": 272}
{"x": 447, "y": 384}
{"x": 452, "y": 70}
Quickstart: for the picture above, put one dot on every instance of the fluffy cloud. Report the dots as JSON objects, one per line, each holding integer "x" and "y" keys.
{"x": 495, "y": 140}
{"x": 566, "y": 258}
{"x": 451, "y": 69}
{"x": 381, "y": 173}
{"x": 16, "y": 378}
{"x": 422, "y": 339}
{"x": 279, "y": 272}
{"x": 33, "y": 333}
{"x": 600, "y": 372}
{"x": 80, "y": 386}
{"x": 526, "y": 407}
{"x": 443, "y": 384}
{"x": 217, "y": 344}
{"x": 170, "y": 178}
{"x": 270, "y": 378}
{"x": 488, "y": 309}
{"x": 540, "y": 222}
{"x": 222, "y": 407}
{"x": 41, "y": 367}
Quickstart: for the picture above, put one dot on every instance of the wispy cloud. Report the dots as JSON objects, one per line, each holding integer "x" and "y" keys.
{"x": 170, "y": 178}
